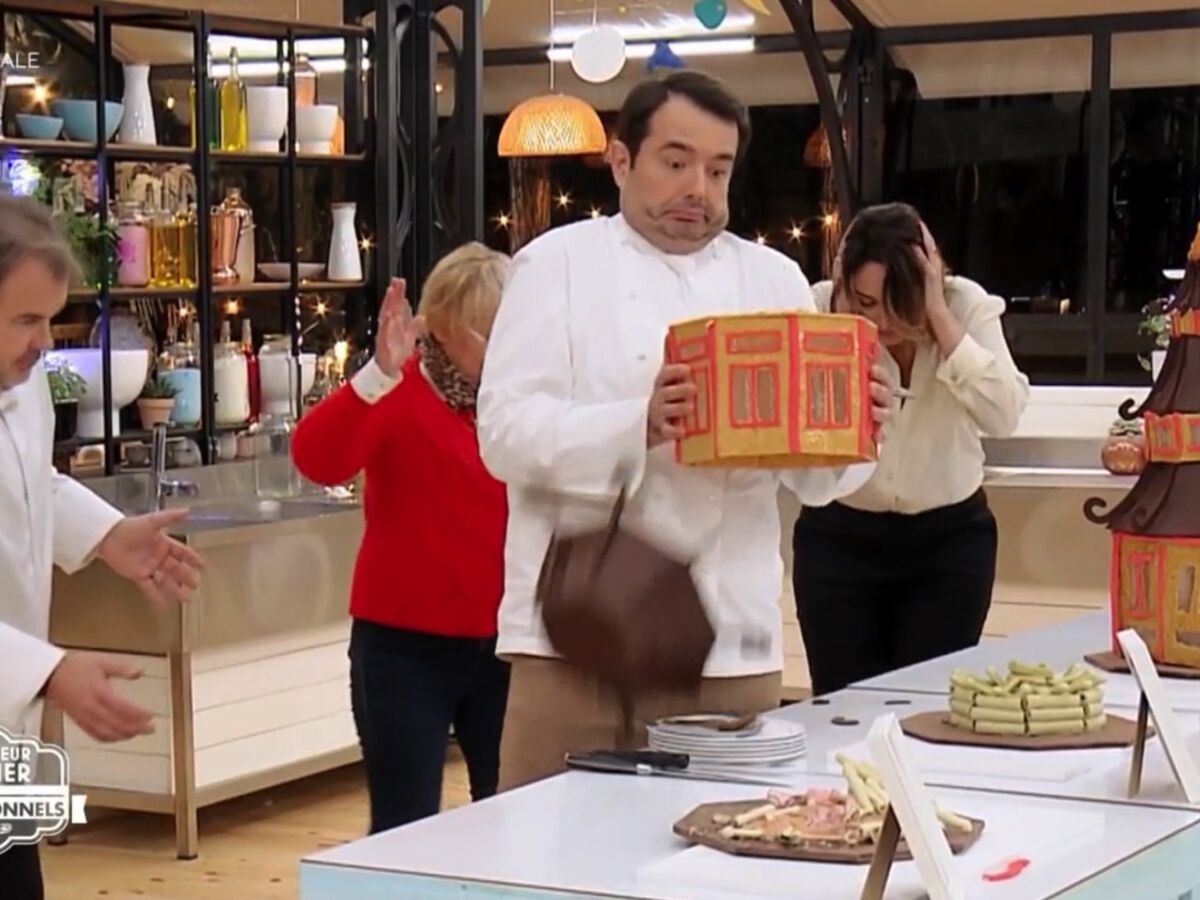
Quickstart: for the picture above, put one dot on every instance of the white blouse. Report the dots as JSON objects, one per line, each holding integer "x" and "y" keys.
{"x": 931, "y": 454}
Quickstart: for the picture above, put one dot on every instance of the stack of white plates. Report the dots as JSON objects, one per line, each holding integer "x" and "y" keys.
{"x": 760, "y": 742}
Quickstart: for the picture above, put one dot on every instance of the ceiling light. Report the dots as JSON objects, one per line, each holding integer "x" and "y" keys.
{"x": 552, "y": 125}
{"x": 20, "y": 80}
{"x": 714, "y": 47}
{"x": 667, "y": 28}
{"x": 1173, "y": 274}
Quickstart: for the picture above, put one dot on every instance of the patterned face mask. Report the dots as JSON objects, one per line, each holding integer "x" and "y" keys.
{"x": 458, "y": 390}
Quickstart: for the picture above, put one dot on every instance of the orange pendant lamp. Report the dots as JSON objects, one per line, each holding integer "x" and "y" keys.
{"x": 552, "y": 125}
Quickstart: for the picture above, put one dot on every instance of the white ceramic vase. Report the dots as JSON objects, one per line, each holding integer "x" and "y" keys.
{"x": 137, "y": 120}
{"x": 345, "y": 259}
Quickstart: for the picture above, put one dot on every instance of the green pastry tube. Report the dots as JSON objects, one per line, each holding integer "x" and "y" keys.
{"x": 1005, "y": 728}
{"x": 960, "y": 722}
{"x": 1053, "y": 701}
{"x": 984, "y": 714}
{"x": 1010, "y": 702}
{"x": 1048, "y": 728}
{"x": 1056, "y": 714}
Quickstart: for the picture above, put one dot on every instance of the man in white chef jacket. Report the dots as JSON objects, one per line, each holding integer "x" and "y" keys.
{"x": 574, "y": 387}
{"x": 47, "y": 519}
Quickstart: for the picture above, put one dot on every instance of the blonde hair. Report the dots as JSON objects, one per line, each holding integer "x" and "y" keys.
{"x": 463, "y": 290}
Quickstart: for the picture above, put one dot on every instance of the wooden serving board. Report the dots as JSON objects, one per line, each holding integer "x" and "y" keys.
{"x": 1115, "y": 662}
{"x": 698, "y": 827}
{"x": 935, "y": 727}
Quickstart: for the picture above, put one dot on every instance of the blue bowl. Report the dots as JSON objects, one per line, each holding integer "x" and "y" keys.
{"x": 39, "y": 128}
{"x": 79, "y": 118}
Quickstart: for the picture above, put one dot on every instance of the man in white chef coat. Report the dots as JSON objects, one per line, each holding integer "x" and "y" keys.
{"x": 574, "y": 387}
{"x": 47, "y": 519}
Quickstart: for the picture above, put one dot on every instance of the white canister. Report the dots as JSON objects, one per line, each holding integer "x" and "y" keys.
{"x": 231, "y": 384}
{"x": 345, "y": 257}
{"x": 137, "y": 117}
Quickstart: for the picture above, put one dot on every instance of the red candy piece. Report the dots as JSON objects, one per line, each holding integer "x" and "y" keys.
{"x": 1010, "y": 868}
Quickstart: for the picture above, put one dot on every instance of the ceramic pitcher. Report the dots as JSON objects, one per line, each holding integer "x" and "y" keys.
{"x": 137, "y": 120}
{"x": 345, "y": 261}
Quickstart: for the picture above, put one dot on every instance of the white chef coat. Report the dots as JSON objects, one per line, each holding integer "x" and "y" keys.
{"x": 570, "y": 367}
{"x": 45, "y": 519}
{"x": 930, "y": 454}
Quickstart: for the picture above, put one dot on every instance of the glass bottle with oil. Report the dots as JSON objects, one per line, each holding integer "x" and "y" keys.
{"x": 234, "y": 126}
{"x": 185, "y": 225}
{"x": 164, "y": 250}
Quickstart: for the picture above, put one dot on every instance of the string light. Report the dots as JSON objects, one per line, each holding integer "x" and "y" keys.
{"x": 594, "y": 213}
{"x": 761, "y": 239}
{"x": 170, "y": 103}
{"x": 564, "y": 200}
{"x": 503, "y": 220}
{"x": 41, "y": 93}
{"x": 828, "y": 220}
{"x": 796, "y": 232}
{"x": 232, "y": 307}
{"x": 321, "y": 308}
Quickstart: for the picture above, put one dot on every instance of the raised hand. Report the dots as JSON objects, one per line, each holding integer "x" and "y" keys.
{"x": 398, "y": 330}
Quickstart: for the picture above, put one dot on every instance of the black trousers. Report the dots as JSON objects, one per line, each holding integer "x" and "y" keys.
{"x": 407, "y": 689}
{"x": 21, "y": 873}
{"x": 880, "y": 591}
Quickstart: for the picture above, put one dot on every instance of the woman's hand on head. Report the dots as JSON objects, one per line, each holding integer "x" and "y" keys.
{"x": 396, "y": 338}
{"x": 935, "y": 274}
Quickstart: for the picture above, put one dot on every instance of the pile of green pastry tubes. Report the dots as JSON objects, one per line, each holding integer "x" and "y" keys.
{"x": 1029, "y": 700}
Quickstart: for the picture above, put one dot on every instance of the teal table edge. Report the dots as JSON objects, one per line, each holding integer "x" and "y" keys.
{"x": 1167, "y": 870}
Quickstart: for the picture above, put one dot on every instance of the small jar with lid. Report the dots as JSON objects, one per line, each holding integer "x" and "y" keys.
{"x": 231, "y": 384}
{"x": 133, "y": 247}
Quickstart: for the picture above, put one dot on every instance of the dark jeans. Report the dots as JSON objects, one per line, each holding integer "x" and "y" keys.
{"x": 21, "y": 873}
{"x": 877, "y": 592}
{"x": 407, "y": 689}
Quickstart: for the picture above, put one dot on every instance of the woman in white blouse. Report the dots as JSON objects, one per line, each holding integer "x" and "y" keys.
{"x": 902, "y": 570}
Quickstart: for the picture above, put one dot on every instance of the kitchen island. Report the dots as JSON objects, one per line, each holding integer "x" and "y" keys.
{"x": 585, "y": 835}
{"x": 248, "y": 682}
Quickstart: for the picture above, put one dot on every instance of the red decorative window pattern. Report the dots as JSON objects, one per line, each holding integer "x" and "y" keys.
{"x": 1141, "y": 567}
{"x": 754, "y": 395}
{"x": 1186, "y": 599}
{"x": 700, "y": 421}
{"x": 828, "y": 396}
{"x": 754, "y": 342}
{"x": 837, "y": 344}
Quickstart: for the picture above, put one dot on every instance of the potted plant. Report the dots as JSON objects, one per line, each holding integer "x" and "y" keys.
{"x": 66, "y": 388}
{"x": 157, "y": 402}
{"x": 1156, "y": 323}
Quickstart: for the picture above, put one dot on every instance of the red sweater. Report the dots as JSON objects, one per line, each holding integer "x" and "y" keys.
{"x": 432, "y": 555}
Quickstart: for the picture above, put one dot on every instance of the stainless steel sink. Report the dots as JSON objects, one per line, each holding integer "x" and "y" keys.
{"x": 212, "y": 514}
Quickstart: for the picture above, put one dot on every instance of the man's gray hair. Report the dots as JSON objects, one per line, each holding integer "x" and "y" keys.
{"x": 27, "y": 229}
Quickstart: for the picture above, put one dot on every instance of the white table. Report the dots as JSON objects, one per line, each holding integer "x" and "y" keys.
{"x": 585, "y": 836}
{"x": 582, "y": 835}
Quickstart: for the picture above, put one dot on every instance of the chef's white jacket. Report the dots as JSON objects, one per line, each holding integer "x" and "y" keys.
{"x": 45, "y": 519}
{"x": 569, "y": 370}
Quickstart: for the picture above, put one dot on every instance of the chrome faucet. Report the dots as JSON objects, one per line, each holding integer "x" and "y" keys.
{"x": 166, "y": 487}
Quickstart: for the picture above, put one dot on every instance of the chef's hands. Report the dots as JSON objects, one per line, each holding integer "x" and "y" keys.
{"x": 81, "y": 686}
{"x": 881, "y": 399}
{"x": 673, "y": 400}
{"x": 138, "y": 549}
{"x": 398, "y": 330}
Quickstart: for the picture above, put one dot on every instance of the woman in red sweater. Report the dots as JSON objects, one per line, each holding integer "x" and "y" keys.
{"x": 429, "y": 574}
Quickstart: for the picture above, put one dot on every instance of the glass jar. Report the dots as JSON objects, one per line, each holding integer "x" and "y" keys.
{"x": 231, "y": 383}
{"x": 244, "y": 259}
{"x": 275, "y": 476}
{"x": 164, "y": 251}
{"x": 185, "y": 227}
{"x": 133, "y": 249}
{"x": 182, "y": 372}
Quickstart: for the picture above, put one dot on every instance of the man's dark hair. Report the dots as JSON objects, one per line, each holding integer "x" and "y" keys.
{"x": 704, "y": 91}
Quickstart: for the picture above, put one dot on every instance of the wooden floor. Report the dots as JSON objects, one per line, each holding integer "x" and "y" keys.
{"x": 250, "y": 848}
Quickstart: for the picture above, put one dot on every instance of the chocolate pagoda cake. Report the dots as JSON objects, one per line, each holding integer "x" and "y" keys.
{"x": 1155, "y": 580}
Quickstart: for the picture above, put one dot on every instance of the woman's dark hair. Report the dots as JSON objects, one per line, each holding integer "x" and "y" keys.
{"x": 889, "y": 234}
{"x": 711, "y": 95}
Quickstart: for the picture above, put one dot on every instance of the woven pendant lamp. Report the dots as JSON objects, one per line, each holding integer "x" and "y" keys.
{"x": 552, "y": 125}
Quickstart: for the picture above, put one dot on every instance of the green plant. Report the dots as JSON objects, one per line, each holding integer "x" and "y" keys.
{"x": 66, "y": 385}
{"x": 92, "y": 244}
{"x": 1157, "y": 324}
{"x": 158, "y": 389}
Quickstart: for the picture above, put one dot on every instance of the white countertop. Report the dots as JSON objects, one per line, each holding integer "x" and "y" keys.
{"x": 1049, "y": 477}
{"x": 584, "y": 835}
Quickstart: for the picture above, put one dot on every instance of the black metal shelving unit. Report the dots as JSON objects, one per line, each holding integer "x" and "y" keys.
{"x": 360, "y": 143}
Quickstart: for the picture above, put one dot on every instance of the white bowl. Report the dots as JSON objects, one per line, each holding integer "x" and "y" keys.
{"x": 129, "y": 371}
{"x": 273, "y": 379}
{"x": 314, "y": 127}
{"x": 266, "y": 116}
